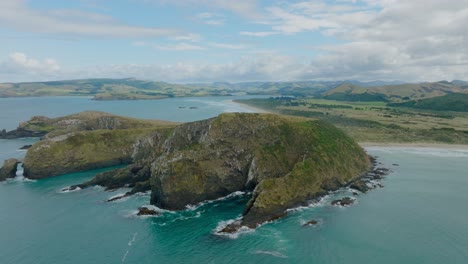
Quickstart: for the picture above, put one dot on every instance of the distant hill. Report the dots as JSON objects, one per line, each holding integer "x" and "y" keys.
{"x": 460, "y": 82}
{"x": 129, "y": 88}
{"x": 134, "y": 89}
{"x": 450, "y": 102}
{"x": 300, "y": 89}
{"x": 106, "y": 88}
{"x": 395, "y": 93}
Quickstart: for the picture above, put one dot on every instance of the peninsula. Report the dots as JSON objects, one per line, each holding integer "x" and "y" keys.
{"x": 283, "y": 161}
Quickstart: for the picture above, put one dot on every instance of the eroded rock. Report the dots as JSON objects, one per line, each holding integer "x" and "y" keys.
{"x": 146, "y": 211}
{"x": 9, "y": 169}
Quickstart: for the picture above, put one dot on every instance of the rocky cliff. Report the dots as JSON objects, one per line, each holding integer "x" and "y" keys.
{"x": 89, "y": 140}
{"x": 39, "y": 126}
{"x": 285, "y": 161}
{"x": 9, "y": 169}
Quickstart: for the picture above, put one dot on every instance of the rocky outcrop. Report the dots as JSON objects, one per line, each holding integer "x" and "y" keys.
{"x": 20, "y": 133}
{"x": 311, "y": 223}
{"x": 88, "y": 140}
{"x": 82, "y": 151}
{"x": 9, "y": 169}
{"x": 345, "y": 201}
{"x": 40, "y": 126}
{"x": 285, "y": 161}
{"x": 145, "y": 211}
{"x": 135, "y": 176}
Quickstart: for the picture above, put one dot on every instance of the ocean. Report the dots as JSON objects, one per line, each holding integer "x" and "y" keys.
{"x": 420, "y": 215}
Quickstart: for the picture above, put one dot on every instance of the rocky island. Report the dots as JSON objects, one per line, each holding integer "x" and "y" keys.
{"x": 284, "y": 161}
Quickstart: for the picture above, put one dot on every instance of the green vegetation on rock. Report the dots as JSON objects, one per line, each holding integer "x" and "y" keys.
{"x": 89, "y": 140}
{"x": 285, "y": 160}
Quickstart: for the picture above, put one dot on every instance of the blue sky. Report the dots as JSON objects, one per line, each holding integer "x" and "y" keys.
{"x": 243, "y": 40}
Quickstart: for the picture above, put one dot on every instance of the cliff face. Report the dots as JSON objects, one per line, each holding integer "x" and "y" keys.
{"x": 9, "y": 169}
{"x": 79, "y": 151}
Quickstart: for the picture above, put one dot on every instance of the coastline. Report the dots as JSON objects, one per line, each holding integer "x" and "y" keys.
{"x": 414, "y": 145}
{"x": 252, "y": 108}
{"x": 378, "y": 144}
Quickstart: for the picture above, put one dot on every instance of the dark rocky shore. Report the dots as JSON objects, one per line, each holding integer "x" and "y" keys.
{"x": 20, "y": 133}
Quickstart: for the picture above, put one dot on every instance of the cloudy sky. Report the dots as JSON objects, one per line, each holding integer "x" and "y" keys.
{"x": 226, "y": 40}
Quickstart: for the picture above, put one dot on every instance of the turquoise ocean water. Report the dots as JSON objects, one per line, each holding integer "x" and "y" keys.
{"x": 421, "y": 216}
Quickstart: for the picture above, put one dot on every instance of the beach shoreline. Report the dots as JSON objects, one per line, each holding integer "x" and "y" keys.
{"x": 252, "y": 108}
{"x": 414, "y": 145}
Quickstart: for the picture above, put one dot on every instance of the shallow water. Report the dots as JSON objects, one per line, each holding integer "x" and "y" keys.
{"x": 418, "y": 217}
{"x": 15, "y": 110}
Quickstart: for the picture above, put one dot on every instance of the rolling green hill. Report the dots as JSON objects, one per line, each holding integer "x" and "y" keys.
{"x": 393, "y": 93}
{"x": 451, "y": 102}
{"x": 133, "y": 89}
{"x": 111, "y": 89}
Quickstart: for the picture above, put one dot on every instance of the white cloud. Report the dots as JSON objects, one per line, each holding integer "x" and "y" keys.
{"x": 258, "y": 34}
{"x": 252, "y": 68}
{"x": 211, "y": 18}
{"x": 374, "y": 39}
{"x": 245, "y": 8}
{"x": 227, "y": 46}
{"x": 383, "y": 39}
{"x": 188, "y": 37}
{"x": 178, "y": 47}
{"x": 14, "y": 14}
{"x": 20, "y": 65}
{"x": 189, "y": 47}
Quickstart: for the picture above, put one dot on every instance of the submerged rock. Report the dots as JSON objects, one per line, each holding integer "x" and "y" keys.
{"x": 9, "y": 169}
{"x": 346, "y": 201}
{"x": 146, "y": 211}
{"x": 231, "y": 228}
{"x": 71, "y": 189}
{"x": 311, "y": 223}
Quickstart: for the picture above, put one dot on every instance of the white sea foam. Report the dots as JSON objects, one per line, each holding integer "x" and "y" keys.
{"x": 129, "y": 213}
{"x": 130, "y": 244}
{"x": 133, "y": 213}
{"x": 321, "y": 202}
{"x": 121, "y": 197}
{"x": 191, "y": 207}
{"x": 157, "y": 209}
{"x": 272, "y": 253}
{"x": 302, "y": 221}
{"x": 183, "y": 217}
{"x": 24, "y": 179}
{"x": 222, "y": 224}
{"x": 125, "y": 255}
{"x": 67, "y": 190}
